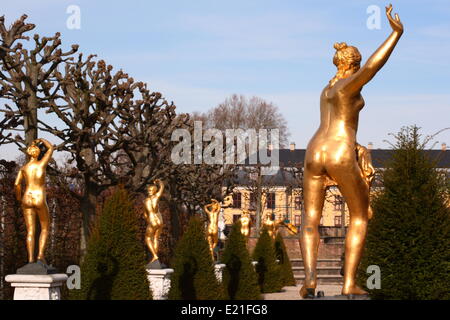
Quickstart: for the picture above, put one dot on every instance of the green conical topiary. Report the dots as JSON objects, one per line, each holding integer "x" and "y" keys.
{"x": 239, "y": 278}
{"x": 114, "y": 265}
{"x": 268, "y": 270}
{"x": 194, "y": 277}
{"x": 409, "y": 235}
{"x": 286, "y": 274}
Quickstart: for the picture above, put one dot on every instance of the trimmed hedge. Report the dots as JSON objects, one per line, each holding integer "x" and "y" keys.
{"x": 194, "y": 277}
{"x": 239, "y": 278}
{"x": 114, "y": 265}
{"x": 268, "y": 270}
{"x": 409, "y": 235}
{"x": 287, "y": 276}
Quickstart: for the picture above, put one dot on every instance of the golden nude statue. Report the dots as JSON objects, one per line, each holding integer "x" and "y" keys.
{"x": 272, "y": 225}
{"x": 212, "y": 210}
{"x": 332, "y": 155}
{"x": 33, "y": 201}
{"x": 246, "y": 222}
{"x": 153, "y": 218}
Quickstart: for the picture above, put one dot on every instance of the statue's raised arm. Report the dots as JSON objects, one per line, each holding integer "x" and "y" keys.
{"x": 161, "y": 188}
{"x": 355, "y": 82}
{"x": 48, "y": 154}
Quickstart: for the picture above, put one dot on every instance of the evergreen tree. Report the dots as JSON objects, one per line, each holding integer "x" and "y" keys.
{"x": 408, "y": 237}
{"x": 194, "y": 277}
{"x": 240, "y": 279}
{"x": 268, "y": 270}
{"x": 286, "y": 274}
{"x": 114, "y": 265}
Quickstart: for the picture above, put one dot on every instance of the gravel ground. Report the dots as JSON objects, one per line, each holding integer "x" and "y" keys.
{"x": 291, "y": 293}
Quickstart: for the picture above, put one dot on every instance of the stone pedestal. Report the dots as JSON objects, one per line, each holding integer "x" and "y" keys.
{"x": 344, "y": 297}
{"x": 218, "y": 270}
{"x": 159, "y": 282}
{"x": 37, "y": 287}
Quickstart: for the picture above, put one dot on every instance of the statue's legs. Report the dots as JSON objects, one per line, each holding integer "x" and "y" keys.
{"x": 213, "y": 238}
{"x": 156, "y": 238}
{"x": 44, "y": 219}
{"x": 149, "y": 236}
{"x": 356, "y": 193}
{"x": 314, "y": 196}
{"x": 30, "y": 222}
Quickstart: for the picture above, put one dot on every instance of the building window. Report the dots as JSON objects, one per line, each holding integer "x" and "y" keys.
{"x": 298, "y": 203}
{"x": 271, "y": 200}
{"x": 237, "y": 200}
{"x": 337, "y": 221}
{"x": 338, "y": 203}
{"x": 236, "y": 217}
{"x": 297, "y": 220}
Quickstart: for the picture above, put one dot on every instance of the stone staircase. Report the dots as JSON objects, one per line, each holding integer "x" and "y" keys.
{"x": 328, "y": 271}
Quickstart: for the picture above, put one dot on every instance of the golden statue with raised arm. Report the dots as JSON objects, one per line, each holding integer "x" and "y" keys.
{"x": 33, "y": 201}
{"x": 153, "y": 218}
{"x": 212, "y": 210}
{"x": 332, "y": 154}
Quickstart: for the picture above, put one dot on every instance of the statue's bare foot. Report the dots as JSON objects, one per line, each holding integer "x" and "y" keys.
{"x": 42, "y": 259}
{"x": 153, "y": 259}
{"x": 353, "y": 290}
{"x": 307, "y": 293}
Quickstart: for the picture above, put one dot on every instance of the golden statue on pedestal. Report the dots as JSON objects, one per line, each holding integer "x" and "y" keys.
{"x": 246, "y": 222}
{"x": 333, "y": 154}
{"x": 212, "y": 210}
{"x": 272, "y": 224}
{"x": 33, "y": 201}
{"x": 153, "y": 218}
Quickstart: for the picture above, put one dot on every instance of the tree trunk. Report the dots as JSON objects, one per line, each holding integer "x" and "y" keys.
{"x": 88, "y": 208}
{"x": 30, "y": 121}
{"x": 259, "y": 208}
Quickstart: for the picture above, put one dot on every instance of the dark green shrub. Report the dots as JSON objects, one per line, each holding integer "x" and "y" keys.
{"x": 239, "y": 278}
{"x": 286, "y": 274}
{"x": 268, "y": 270}
{"x": 408, "y": 237}
{"x": 194, "y": 277}
{"x": 114, "y": 265}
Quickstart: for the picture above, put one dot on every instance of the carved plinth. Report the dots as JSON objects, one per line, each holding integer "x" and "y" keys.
{"x": 159, "y": 282}
{"x": 218, "y": 270}
{"x": 37, "y": 287}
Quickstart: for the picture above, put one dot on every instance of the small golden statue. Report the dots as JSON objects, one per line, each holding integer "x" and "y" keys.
{"x": 333, "y": 155}
{"x": 153, "y": 218}
{"x": 34, "y": 199}
{"x": 212, "y": 210}
{"x": 246, "y": 222}
{"x": 272, "y": 225}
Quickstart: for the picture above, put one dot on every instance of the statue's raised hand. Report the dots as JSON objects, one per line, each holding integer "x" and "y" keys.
{"x": 395, "y": 23}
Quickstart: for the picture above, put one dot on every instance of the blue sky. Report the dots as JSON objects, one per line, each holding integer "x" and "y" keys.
{"x": 199, "y": 52}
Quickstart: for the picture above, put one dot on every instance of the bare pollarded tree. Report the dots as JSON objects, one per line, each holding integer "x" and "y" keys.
{"x": 114, "y": 129}
{"x": 26, "y": 78}
{"x": 238, "y": 112}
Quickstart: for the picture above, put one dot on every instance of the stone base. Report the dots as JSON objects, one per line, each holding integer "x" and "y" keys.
{"x": 37, "y": 287}
{"x": 344, "y": 297}
{"x": 159, "y": 282}
{"x": 36, "y": 268}
{"x": 218, "y": 270}
{"x": 155, "y": 265}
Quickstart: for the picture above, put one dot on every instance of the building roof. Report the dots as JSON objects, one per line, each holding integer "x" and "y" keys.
{"x": 379, "y": 157}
